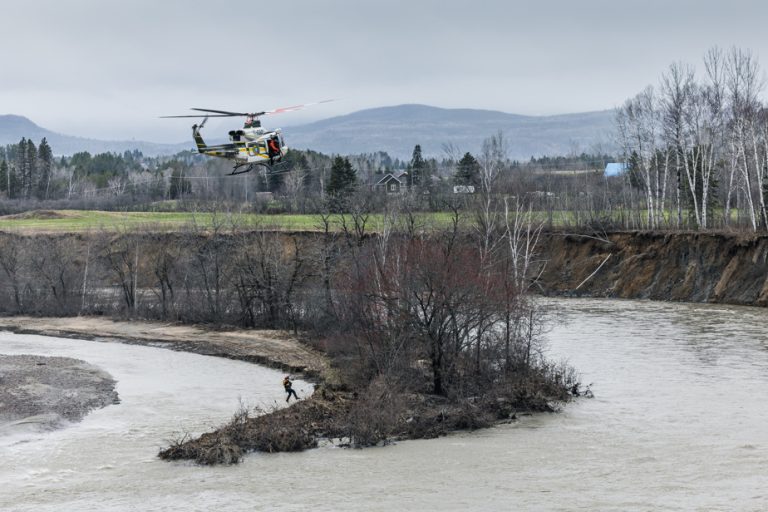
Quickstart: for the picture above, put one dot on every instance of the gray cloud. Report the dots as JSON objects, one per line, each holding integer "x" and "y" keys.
{"x": 103, "y": 68}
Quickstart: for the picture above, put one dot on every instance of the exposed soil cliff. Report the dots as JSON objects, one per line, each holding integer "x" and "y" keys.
{"x": 695, "y": 267}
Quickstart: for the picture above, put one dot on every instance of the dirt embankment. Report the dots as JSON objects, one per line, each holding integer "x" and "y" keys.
{"x": 692, "y": 267}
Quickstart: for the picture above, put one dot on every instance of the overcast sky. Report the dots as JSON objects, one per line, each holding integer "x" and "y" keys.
{"x": 106, "y": 69}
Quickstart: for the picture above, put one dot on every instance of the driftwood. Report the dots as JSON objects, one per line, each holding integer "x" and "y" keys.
{"x": 595, "y": 272}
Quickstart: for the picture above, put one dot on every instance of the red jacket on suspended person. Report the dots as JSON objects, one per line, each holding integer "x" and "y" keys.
{"x": 274, "y": 147}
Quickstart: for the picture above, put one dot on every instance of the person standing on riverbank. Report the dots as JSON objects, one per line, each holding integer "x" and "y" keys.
{"x": 288, "y": 385}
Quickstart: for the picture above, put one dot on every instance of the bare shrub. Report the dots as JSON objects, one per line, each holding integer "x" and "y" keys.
{"x": 375, "y": 415}
{"x": 283, "y": 431}
{"x": 222, "y": 450}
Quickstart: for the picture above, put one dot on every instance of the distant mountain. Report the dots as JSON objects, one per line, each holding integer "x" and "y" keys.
{"x": 392, "y": 129}
{"x": 13, "y": 128}
{"x": 397, "y": 129}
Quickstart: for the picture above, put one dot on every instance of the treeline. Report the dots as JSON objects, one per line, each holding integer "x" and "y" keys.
{"x": 29, "y": 173}
{"x": 714, "y": 185}
{"x": 191, "y": 276}
{"x": 30, "y": 177}
{"x": 696, "y": 146}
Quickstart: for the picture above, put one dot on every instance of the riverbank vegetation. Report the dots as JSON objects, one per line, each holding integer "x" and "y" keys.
{"x": 427, "y": 332}
{"x": 428, "y": 328}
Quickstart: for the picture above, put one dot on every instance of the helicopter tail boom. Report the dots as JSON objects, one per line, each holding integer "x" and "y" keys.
{"x": 201, "y": 145}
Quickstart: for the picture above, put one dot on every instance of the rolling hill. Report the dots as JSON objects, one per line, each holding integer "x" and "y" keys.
{"x": 13, "y": 128}
{"x": 392, "y": 129}
{"x": 397, "y": 129}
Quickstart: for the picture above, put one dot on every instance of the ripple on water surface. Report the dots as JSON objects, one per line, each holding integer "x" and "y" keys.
{"x": 678, "y": 423}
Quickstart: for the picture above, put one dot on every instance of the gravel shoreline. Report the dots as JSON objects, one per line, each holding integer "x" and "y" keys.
{"x": 38, "y": 392}
{"x": 275, "y": 349}
{"x": 46, "y": 392}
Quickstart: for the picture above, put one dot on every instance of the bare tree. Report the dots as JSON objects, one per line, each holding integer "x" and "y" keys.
{"x": 294, "y": 185}
{"x": 56, "y": 265}
{"x": 678, "y": 91}
{"x": 492, "y": 159}
{"x": 743, "y": 85}
{"x": 639, "y": 129}
{"x": 269, "y": 272}
{"x": 121, "y": 252}
{"x": 11, "y": 259}
{"x": 165, "y": 260}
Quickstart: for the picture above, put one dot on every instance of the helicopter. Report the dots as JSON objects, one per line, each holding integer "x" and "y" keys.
{"x": 250, "y": 147}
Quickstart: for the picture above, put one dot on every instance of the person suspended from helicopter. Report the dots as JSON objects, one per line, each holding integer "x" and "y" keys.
{"x": 274, "y": 148}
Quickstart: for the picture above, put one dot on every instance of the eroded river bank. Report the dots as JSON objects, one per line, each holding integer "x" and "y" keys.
{"x": 677, "y": 423}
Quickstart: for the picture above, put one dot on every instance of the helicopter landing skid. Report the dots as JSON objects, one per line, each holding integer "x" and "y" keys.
{"x": 248, "y": 168}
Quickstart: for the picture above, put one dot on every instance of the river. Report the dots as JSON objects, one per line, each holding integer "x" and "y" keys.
{"x": 678, "y": 422}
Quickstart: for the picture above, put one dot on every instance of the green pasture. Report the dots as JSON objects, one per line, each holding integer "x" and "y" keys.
{"x": 88, "y": 220}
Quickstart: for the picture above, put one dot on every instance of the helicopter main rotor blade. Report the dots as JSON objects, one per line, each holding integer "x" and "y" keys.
{"x": 197, "y": 116}
{"x": 223, "y": 112}
{"x": 226, "y": 113}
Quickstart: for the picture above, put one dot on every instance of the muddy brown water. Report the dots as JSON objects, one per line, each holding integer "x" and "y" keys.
{"x": 679, "y": 422}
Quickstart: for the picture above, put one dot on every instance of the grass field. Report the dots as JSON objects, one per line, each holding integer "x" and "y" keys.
{"x": 52, "y": 221}
{"x": 47, "y": 221}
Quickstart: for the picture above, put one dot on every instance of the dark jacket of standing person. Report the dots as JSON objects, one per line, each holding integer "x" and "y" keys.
{"x": 288, "y": 385}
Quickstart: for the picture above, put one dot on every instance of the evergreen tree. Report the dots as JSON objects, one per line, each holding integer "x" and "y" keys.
{"x": 634, "y": 172}
{"x": 343, "y": 178}
{"x": 14, "y": 182}
{"x": 30, "y": 176}
{"x": 467, "y": 171}
{"x": 81, "y": 164}
{"x": 342, "y": 183}
{"x": 4, "y": 176}
{"x": 22, "y": 169}
{"x": 418, "y": 168}
{"x": 45, "y": 168}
